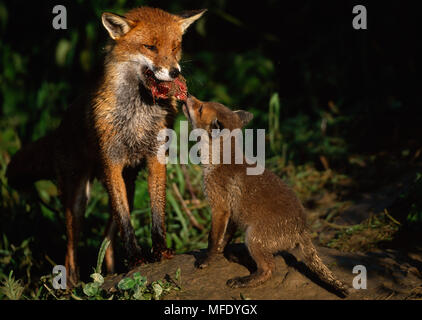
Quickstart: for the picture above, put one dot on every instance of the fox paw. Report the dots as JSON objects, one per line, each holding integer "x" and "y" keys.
{"x": 202, "y": 265}
{"x": 162, "y": 254}
{"x": 167, "y": 254}
{"x": 137, "y": 262}
{"x": 137, "y": 258}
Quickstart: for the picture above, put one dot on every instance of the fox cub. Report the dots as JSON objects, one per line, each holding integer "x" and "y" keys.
{"x": 261, "y": 205}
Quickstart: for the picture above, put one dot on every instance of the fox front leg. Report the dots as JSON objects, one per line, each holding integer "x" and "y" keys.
{"x": 217, "y": 239}
{"x": 117, "y": 192}
{"x": 157, "y": 193}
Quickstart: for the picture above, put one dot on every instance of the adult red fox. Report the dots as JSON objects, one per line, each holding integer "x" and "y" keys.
{"x": 112, "y": 133}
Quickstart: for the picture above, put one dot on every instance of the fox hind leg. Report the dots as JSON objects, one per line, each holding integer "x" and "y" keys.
{"x": 75, "y": 198}
{"x": 228, "y": 236}
{"x": 265, "y": 265}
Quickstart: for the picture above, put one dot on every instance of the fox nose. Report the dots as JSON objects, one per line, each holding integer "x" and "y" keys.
{"x": 189, "y": 100}
{"x": 174, "y": 72}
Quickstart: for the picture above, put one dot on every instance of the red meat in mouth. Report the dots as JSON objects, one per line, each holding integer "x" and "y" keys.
{"x": 166, "y": 89}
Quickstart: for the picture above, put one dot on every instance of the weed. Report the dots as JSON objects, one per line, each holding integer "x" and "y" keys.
{"x": 137, "y": 287}
{"x": 364, "y": 236}
{"x": 12, "y": 289}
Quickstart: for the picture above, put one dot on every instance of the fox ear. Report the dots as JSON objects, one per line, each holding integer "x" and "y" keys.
{"x": 215, "y": 124}
{"x": 117, "y": 26}
{"x": 189, "y": 17}
{"x": 244, "y": 116}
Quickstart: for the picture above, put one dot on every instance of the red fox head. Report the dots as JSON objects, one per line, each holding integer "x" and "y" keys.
{"x": 150, "y": 38}
{"x": 213, "y": 115}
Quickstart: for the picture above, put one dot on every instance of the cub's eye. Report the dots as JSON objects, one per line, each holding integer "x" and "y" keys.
{"x": 150, "y": 47}
{"x": 200, "y": 110}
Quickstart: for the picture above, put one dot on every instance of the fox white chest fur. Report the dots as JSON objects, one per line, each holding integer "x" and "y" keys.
{"x": 136, "y": 117}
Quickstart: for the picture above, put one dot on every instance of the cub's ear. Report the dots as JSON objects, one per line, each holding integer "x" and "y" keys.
{"x": 216, "y": 124}
{"x": 188, "y": 17}
{"x": 244, "y": 116}
{"x": 117, "y": 26}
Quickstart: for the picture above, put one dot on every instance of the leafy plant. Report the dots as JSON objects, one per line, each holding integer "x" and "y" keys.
{"x": 93, "y": 289}
{"x": 137, "y": 287}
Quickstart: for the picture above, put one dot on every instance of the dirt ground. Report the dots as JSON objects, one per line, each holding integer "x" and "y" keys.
{"x": 390, "y": 275}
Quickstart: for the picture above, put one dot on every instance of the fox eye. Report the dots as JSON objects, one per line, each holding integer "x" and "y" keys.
{"x": 150, "y": 47}
{"x": 200, "y": 110}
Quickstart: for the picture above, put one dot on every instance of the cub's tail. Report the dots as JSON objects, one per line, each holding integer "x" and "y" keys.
{"x": 314, "y": 262}
{"x": 31, "y": 163}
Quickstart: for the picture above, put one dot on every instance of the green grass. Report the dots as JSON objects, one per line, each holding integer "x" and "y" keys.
{"x": 366, "y": 235}
{"x": 11, "y": 289}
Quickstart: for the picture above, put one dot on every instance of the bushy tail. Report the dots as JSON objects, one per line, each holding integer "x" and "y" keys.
{"x": 31, "y": 163}
{"x": 314, "y": 262}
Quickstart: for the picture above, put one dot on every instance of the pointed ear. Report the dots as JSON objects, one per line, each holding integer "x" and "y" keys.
{"x": 188, "y": 17}
{"x": 244, "y": 116}
{"x": 215, "y": 124}
{"x": 117, "y": 26}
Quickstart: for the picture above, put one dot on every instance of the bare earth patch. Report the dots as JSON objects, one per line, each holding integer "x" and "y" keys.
{"x": 391, "y": 275}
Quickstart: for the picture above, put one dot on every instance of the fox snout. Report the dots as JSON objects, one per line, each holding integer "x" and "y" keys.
{"x": 165, "y": 74}
{"x": 187, "y": 107}
{"x": 190, "y": 102}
